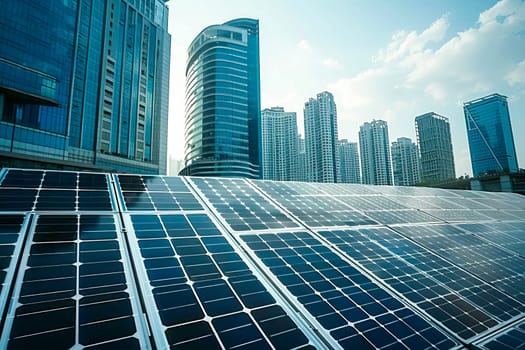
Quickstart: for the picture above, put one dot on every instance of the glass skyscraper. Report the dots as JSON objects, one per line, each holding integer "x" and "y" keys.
{"x": 376, "y": 166}
{"x": 435, "y": 148}
{"x": 84, "y": 84}
{"x": 223, "y": 114}
{"x": 279, "y": 144}
{"x": 321, "y": 135}
{"x": 490, "y": 138}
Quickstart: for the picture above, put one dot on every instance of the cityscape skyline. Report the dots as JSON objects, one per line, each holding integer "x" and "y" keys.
{"x": 397, "y": 73}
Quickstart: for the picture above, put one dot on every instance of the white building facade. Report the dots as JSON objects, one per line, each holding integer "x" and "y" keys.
{"x": 279, "y": 143}
{"x": 321, "y": 135}
{"x": 405, "y": 162}
{"x": 376, "y": 166}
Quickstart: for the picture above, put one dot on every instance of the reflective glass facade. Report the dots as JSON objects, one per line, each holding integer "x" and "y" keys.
{"x": 223, "y": 116}
{"x": 435, "y": 147}
{"x": 405, "y": 162}
{"x": 84, "y": 84}
{"x": 490, "y": 136}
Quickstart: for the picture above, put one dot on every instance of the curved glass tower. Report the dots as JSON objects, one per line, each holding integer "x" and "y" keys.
{"x": 223, "y": 114}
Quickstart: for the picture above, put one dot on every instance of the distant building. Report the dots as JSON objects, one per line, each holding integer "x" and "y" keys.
{"x": 279, "y": 144}
{"x": 405, "y": 162}
{"x": 376, "y": 167}
{"x": 175, "y": 166}
{"x": 223, "y": 101}
{"x": 349, "y": 162}
{"x": 84, "y": 85}
{"x": 301, "y": 174}
{"x": 435, "y": 146}
{"x": 320, "y": 127}
{"x": 490, "y": 138}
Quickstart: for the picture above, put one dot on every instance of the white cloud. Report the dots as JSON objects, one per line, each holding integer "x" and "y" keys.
{"x": 430, "y": 71}
{"x": 305, "y": 46}
{"x": 331, "y": 63}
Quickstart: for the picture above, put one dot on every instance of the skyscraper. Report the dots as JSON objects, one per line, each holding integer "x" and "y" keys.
{"x": 223, "y": 113}
{"x": 320, "y": 127}
{"x": 279, "y": 144}
{"x": 490, "y": 138}
{"x": 405, "y": 162}
{"x": 376, "y": 167}
{"x": 349, "y": 162}
{"x": 302, "y": 174}
{"x": 84, "y": 84}
{"x": 435, "y": 147}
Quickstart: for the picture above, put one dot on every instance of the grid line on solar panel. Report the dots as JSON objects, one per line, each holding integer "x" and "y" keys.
{"x": 354, "y": 310}
{"x": 156, "y": 193}
{"x": 200, "y": 291}
{"x": 240, "y": 206}
{"x": 426, "y": 280}
{"x": 480, "y": 258}
{"x": 73, "y": 288}
{"x": 512, "y": 338}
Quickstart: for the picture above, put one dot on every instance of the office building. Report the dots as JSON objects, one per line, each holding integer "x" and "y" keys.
{"x": 435, "y": 147}
{"x": 84, "y": 85}
{"x": 405, "y": 162}
{"x": 376, "y": 167}
{"x": 490, "y": 138}
{"x": 279, "y": 144}
{"x": 320, "y": 127}
{"x": 349, "y": 162}
{"x": 223, "y": 112}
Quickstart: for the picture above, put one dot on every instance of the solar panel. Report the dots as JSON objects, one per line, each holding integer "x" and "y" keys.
{"x": 480, "y": 258}
{"x": 150, "y": 193}
{"x": 93, "y": 260}
{"x": 200, "y": 290}
{"x": 352, "y": 308}
{"x": 240, "y": 206}
{"x": 74, "y": 287}
{"x": 461, "y": 302}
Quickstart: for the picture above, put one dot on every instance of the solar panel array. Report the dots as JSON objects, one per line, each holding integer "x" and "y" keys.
{"x": 106, "y": 261}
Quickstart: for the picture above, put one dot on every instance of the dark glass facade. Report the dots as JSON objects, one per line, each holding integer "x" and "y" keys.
{"x": 84, "y": 84}
{"x": 490, "y": 136}
{"x": 223, "y": 118}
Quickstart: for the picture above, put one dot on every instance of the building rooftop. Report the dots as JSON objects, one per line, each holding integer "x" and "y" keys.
{"x": 139, "y": 261}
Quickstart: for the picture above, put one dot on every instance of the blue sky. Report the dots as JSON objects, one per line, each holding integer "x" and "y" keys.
{"x": 389, "y": 60}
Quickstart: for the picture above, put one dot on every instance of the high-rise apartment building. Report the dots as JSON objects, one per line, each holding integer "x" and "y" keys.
{"x": 490, "y": 138}
{"x": 376, "y": 167}
{"x": 279, "y": 144}
{"x": 223, "y": 112}
{"x": 320, "y": 127}
{"x": 405, "y": 162}
{"x": 435, "y": 147}
{"x": 302, "y": 174}
{"x": 349, "y": 162}
{"x": 84, "y": 84}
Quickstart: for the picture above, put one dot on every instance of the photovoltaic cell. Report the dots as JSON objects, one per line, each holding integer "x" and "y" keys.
{"x": 467, "y": 305}
{"x": 357, "y": 312}
{"x": 241, "y": 206}
{"x": 206, "y": 296}
{"x": 73, "y": 289}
